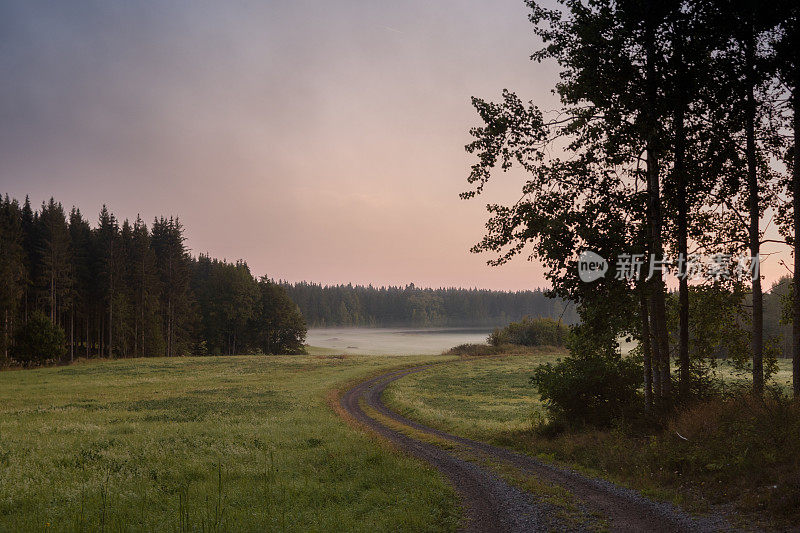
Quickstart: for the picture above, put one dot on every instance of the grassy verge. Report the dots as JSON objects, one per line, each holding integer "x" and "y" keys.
{"x": 230, "y": 443}
{"x": 477, "y": 397}
{"x": 742, "y": 455}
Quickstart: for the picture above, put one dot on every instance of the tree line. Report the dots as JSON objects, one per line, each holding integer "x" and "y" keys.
{"x": 126, "y": 290}
{"x": 358, "y": 305}
{"x": 675, "y": 135}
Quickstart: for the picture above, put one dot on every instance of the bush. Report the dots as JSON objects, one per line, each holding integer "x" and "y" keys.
{"x": 466, "y": 350}
{"x": 39, "y": 340}
{"x": 531, "y": 332}
{"x": 474, "y": 350}
{"x": 591, "y": 390}
{"x": 739, "y": 453}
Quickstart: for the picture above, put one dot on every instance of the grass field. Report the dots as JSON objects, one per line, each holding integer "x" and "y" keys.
{"x": 488, "y": 398}
{"x": 475, "y": 397}
{"x": 203, "y": 444}
{"x": 738, "y": 455}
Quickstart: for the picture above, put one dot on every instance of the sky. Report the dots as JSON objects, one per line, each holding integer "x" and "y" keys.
{"x": 317, "y": 140}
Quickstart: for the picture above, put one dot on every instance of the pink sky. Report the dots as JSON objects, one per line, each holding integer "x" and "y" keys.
{"x": 319, "y": 141}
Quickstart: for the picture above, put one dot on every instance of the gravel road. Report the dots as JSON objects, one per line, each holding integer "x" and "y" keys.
{"x": 490, "y": 503}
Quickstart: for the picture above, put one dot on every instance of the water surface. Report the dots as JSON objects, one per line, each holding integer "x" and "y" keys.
{"x": 394, "y": 341}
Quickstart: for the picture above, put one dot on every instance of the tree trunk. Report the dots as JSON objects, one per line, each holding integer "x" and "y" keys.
{"x": 658, "y": 314}
{"x": 683, "y": 341}
{"x": 72, "y": 335}
{"x": 53, "y": 294}
{"x": 754, "y": 237}
{"x": 110, "y": 326}
{"x": 5, "y": 337}
{"x": 683, "y": 232}
{"x": 142, "y": 332}
{"x": 141, "y": 301}
{"x": 169, "y": 327}
{"x": 646, "y": 352}
{"x": 101, "y": 335}
{"x": 796, "y": 279}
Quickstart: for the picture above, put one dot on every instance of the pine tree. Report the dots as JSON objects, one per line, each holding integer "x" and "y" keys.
{"x": 172, "y": 260}
{"x": 12, "y": 268}
{"x": 54, "y": 260}
{"x": 144, "y": 281}
{"x": 277, "y": 326}
{"x": 81, "y": 244}
{"x": 30, "y": 245}
{"x": 108, "y": 250}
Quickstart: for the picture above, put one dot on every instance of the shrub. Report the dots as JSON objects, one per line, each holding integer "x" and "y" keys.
{"x": 474, "y": 350}
{"x": 531, "y": 332}
{"x": 39, "y": 340}
{"x": 467, "y": 350}
{"x": 735, "y": 453}
{"x": 591, "y": 390}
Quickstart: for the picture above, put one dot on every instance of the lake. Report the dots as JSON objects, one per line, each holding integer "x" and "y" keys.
{"x": 394, "y": 341}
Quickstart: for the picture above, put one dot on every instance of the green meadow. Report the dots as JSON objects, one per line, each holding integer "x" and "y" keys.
{"x": 252, "y": 443}
{"x": 204, "y": 444}
{"x": 490, "y": 398}
{"x": 475, "y": 397}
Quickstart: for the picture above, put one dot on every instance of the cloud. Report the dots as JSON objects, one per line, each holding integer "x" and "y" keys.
{"x": 274, "y": 129}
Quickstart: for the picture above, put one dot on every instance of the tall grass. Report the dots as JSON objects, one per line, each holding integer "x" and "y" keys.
{"x": 203, "y": 444}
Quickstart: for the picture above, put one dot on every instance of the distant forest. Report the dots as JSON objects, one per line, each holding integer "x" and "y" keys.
{"x": 357, "y": 305}
{"x": 123, "y": 289}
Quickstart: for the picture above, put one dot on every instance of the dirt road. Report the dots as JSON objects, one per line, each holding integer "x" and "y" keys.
{"x": 490, "y": 503}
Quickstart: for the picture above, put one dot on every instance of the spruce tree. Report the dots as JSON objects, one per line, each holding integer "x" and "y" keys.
{"x": 107, "y": 261}
{"x": 12, "y": 268}
{"x": 54, "y": 259}
{"x": 81, "y": 245}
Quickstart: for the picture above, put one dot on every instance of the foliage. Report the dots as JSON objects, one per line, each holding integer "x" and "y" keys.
{"x": 531, "y": 332}
{"x": 122, "y": 289}
{"x": 666, "y": 135}
{"x": 778, "y": 314}
{"x": 467, "y": 350}
{"x": 277, "y": 327}
{"x": 12, "y": 268}
{"x": 740, "y": 453}
{"x": 241, "y": 314}
{"x": 39, "y": 340}
{"x": 471, "y": 349}
{"x": 227, "y": 296}
{"x": 594, "y": 385}
{"x": 716, "y": 331}
{"x": 719, "y": 330}
{"x": 592, "y": 390}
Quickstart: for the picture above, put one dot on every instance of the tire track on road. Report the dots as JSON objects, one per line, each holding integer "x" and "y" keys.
{"x": 493, "y": 505}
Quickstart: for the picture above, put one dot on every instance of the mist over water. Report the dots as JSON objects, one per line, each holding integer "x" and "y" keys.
{"x": 394, "y": 341}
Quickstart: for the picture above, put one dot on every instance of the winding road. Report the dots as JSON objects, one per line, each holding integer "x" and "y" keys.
{"x": 493, "y": 505}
